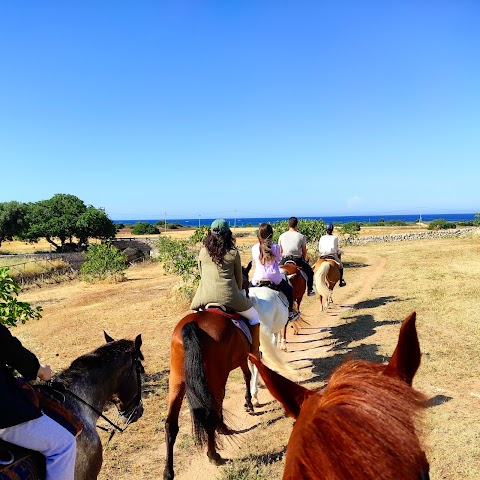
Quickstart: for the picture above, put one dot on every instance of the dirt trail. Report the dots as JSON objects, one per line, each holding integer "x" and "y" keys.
{"x": 312, "y": 337}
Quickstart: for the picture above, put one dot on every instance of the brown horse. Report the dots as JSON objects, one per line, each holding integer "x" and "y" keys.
{"x": 297, "y": 281}
{"x": 326, "y": 274}
{"x": 362, "y": 424}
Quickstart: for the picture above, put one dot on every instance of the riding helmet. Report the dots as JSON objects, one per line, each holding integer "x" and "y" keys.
{"x": 329, "y": 227}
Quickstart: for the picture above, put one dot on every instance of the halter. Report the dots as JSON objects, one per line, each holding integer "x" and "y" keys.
{"x": 136, "y": 401}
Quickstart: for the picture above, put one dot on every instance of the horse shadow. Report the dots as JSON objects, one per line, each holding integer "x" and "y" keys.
{"x": 356, "y": 329}
{"x": 376, "y": 302}
{"x": 355, "y": 265}
{"x": 154, "y": 384}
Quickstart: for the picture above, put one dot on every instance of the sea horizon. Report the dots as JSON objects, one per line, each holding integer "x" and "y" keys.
{"x": 254, "y": 221}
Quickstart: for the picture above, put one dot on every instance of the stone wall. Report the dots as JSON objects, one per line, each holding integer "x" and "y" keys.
{"x": 403, "y": 237}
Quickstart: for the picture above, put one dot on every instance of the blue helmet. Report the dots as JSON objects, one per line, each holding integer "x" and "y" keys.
{"x": 329, "y": 227}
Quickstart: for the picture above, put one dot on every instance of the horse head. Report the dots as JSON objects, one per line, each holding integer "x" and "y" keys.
{"x": 245, "y": 280}
{"x": 128, "y": 397}
{"x": 363, "y": 408}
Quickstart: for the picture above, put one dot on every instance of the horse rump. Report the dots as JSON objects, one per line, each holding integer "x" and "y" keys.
{"x": 204, "y": 408}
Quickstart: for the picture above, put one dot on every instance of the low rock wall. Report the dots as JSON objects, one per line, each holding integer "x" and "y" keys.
{"x": 403, "y": 237}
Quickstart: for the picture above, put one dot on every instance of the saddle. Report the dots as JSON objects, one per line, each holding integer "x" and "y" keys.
{"x": 239, "y": 321}
{"x": 17, "y": 463}
{"x": 267, "y": 283}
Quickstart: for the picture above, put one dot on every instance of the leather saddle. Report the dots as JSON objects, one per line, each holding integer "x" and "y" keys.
{"x": 17, "y": 463}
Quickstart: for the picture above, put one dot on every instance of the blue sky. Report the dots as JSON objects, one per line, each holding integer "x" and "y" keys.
{"x": 269, "y": 108}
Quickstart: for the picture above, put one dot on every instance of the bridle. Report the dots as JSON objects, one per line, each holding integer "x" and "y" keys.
{"x": 130, "y": 410}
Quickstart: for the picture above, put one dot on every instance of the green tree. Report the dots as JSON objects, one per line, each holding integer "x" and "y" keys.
{"x": 55, "y": 218}
{"x": 349, "y": 231}
{"x": 94, "y": 223}
{"x": 103, "y": 261}
{"x": 11, "y": 310}
{"x": 13, "y": 220}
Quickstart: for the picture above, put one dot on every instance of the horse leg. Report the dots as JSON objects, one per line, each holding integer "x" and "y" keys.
{"x": 283, "y": 338}
{"x": 254, "y": 389}
{"x": 176, "y": 394}
{"x": 218, "y": 392}
{"x": 247, "y": 375}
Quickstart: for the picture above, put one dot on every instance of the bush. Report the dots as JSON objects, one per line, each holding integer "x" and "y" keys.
{"x": 179, "y": 258}
{"x": 349, "y": 231}
{"x": 144, "y": 228}
{"x": 103, "y": 261}
{"x": 11, "y": 310}
{"x": 440, "y": 224}
{"x": 199, "y": 235}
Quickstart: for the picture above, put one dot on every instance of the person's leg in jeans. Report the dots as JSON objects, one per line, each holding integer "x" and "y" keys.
{"x": 308, "y": 270}
{"x": 287, "y": 290}
{"x": 46, "y": 436}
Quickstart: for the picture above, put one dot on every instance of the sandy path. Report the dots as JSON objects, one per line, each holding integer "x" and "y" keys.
{"x": 310, "y": 342}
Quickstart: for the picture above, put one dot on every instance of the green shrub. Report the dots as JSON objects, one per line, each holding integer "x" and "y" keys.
{"x": 440, "y": 224}
{"x": 144, "y": 228}
{"x": 103, "y": 261}
{"x": 312, "y": 229}
{"x": 179, "y": 258}
{"x": 11, "y": 310}
{"x": 199, "y": 235}
{"x": 349, "y": 231}
{"x": 476, "y": 220}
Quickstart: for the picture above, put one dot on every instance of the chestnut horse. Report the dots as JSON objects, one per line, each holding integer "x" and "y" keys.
{"x": 362, "y": 425}
{"x": 326, "y": 274}
{"x": 205, "y": 347}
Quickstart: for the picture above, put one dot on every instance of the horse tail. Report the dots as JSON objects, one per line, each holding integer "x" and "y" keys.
{"x": 321, "y": 282}
{"x": 271, "y": 358}
{"x": 204, "y": 408}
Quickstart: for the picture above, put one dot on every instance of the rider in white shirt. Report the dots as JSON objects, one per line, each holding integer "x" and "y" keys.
{"x": 328, "y": 247}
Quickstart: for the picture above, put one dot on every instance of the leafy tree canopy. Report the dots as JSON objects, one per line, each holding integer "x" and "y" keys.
{"x": 94, "y": 223}
{"x": 13, "y": 220}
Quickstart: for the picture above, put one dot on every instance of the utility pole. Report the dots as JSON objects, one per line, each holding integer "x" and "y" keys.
{"x": 199, "y": 220}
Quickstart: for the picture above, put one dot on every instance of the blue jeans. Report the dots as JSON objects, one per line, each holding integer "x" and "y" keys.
{"x": 46, "y": 436}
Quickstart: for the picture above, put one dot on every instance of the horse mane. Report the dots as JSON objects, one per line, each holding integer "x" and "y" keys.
{"x": 109, "y": 353}
{"x": 363, "y": 421}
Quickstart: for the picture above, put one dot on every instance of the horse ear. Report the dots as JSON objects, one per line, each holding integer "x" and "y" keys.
{"x": 288, "y": 393}
{"x": 406, "y": 357}
{"x": 138, "y": 342}
{"x": 108, "y": 338}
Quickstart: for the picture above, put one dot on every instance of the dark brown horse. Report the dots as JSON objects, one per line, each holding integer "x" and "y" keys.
{"x": 111, "y": 373}
{"x": 326, "y": 274}
{"x": 362, "y": 425}
{"x": 205, "y": 348}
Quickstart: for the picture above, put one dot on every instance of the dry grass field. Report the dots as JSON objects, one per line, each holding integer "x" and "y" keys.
{"x": 437, "y": 278}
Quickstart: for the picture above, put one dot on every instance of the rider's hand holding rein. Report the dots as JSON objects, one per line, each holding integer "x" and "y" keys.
{"x": 44, "y": 373}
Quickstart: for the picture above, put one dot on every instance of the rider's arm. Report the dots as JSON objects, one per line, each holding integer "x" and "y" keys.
{"x": 304, "y": 251}
{"x": 335, "y": 244}
{"x": 13, "y": 353}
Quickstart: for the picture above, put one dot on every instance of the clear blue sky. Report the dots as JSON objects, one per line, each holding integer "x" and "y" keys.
{"x": 270, "y": 108}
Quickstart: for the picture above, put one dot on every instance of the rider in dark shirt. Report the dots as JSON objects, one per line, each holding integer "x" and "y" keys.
{"x": 21, "y": 422}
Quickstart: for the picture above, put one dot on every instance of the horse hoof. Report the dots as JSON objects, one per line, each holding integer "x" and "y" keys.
{"x": 249, "y": 408}
{"x": 216, "y": 459}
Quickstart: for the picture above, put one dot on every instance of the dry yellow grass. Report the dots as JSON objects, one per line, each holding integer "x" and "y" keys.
{"x": 434, "y": 277}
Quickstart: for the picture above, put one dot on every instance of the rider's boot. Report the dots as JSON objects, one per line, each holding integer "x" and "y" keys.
{"x": 342, "y": 281}
{"x": 255, "y": 331}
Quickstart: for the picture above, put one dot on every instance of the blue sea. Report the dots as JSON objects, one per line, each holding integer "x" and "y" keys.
{"x": 255, "y": 221}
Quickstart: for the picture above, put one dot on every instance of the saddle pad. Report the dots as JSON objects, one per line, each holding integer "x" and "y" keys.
{"x": 219, "y": 310}
{"x": 243, "y": 327}
{"x": 58, "y": 412}
{"x": 27, "y": 465}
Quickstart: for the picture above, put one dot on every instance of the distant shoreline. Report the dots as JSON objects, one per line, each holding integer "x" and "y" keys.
{"x": 255, "y": 221}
